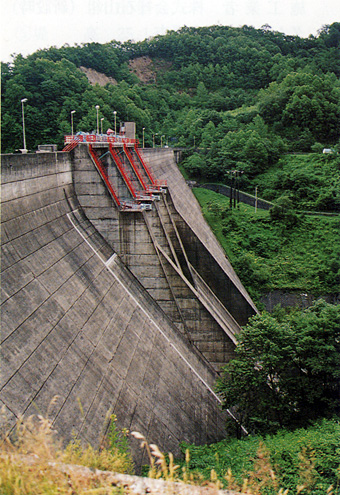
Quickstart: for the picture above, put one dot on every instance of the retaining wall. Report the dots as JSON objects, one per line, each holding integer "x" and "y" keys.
{"x": 204, "y": 250}
{"x": 248, "y": 199}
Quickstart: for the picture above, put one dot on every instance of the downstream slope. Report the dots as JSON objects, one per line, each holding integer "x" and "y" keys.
{"x": 78, "y": 325}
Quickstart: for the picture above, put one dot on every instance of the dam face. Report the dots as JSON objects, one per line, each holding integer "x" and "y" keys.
{"x": 112, "y": 312}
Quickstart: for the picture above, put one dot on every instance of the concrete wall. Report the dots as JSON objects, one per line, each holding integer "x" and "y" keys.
{"x": 76, "y": 323}
{"x": 163, "y": 247}
{"x": 205, "y": 251}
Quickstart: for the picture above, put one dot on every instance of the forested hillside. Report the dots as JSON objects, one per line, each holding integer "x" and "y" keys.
{"x": 242, "y": 94}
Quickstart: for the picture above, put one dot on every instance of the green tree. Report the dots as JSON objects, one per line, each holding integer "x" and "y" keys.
{"x": 208, "y": 135}
{"x": 287, "y": 369}
{"x": 303, "y": 103}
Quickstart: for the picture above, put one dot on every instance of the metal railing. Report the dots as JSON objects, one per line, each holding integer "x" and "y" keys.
{"x": 99, "y": 138}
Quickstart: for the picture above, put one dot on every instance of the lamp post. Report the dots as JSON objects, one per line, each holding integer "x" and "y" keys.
{"x": 97, "y": 108}
{"x": 23, "y": 123}
{"x": 115, "y": 114}
{"x": 72, "y": 112}
{"x": 101, "y": 125}
{"x": 143, "y": 136}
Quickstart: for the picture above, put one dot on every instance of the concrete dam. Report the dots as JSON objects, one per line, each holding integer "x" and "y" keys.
{"x": 111, "y": 305}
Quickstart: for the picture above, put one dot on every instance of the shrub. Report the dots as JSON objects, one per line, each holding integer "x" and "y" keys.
{"x": 303, "y": 461}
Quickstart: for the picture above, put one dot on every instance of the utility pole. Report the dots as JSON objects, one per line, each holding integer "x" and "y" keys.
{"x": 238, "y": 177}
{"x": 234, "y": 187}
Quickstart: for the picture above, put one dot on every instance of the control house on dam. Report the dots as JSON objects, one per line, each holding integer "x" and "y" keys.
{"x": 116, "y": 296}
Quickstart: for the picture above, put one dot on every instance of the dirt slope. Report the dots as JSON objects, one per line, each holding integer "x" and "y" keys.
{"x": 95, "y": 77}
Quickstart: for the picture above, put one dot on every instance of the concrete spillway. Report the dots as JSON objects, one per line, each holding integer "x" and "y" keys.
{"x": 112, "y": 311}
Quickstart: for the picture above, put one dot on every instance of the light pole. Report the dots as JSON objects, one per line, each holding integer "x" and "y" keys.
{"x": 101, "y": 125}
{"x": 143, "y": 136}
{"x": 97, "y": 108}
{"x": 23, "y": 123}
{"x": 115, "y": 114}
{"x": 72, "y": 112}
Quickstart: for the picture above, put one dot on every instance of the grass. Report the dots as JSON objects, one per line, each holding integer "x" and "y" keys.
{"x": 33, "y": 461}
{"x": 299, "y": 253}
{"x": 311, "y": 181}
{"x": 302, "y": 461}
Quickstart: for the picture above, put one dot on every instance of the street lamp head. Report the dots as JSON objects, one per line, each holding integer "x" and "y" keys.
{"x": 24, "y": 100}
{"x": 97, "y": 107}
{"x": 73, "y": 111}
{"x": 114, "y": 112}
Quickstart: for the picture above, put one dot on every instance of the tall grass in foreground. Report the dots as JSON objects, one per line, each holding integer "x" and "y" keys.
{"x": 33, "y": 462}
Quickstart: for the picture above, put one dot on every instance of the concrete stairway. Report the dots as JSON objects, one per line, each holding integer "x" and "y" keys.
{"x": 202, "y": 248}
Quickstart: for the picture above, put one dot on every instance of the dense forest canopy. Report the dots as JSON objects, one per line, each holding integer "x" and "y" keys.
{"x": 212, "y": 70}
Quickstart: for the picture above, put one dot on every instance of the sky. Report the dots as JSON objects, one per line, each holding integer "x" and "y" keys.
{"x": 28, "y": 25}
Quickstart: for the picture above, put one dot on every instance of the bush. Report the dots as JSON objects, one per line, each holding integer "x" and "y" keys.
{"x": 306, "y": 460}
{"x": 286, "y": 371}
{"x": 33, "y": 461}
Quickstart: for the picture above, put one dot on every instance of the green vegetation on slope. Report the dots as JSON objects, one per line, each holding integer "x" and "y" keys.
{"x": 306, "y": 460}
{"x": 297, "y": 252}
{"x": 311, "y": 181}
{"x": 242, "y": 95}
{"x": 286, "y": 372}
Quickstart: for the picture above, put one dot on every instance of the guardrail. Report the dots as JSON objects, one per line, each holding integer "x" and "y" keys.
{"x": 99, "y": 138}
